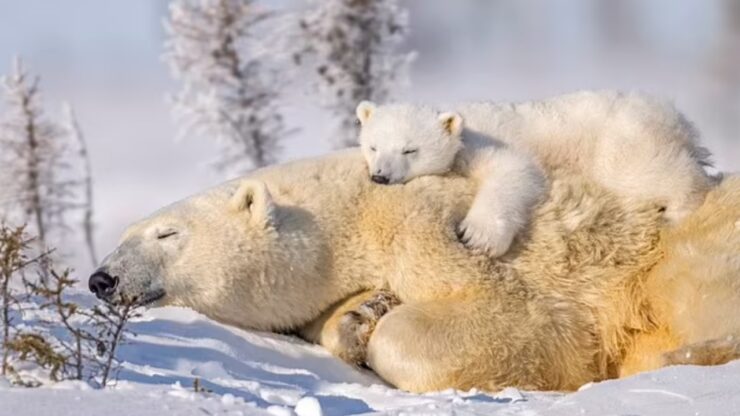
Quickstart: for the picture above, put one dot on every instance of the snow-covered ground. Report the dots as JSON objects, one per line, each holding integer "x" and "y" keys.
{"x": 258, "y": 373}
{"x": 104, "y": 57}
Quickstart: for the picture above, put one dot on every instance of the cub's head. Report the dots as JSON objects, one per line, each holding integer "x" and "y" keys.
{"x": 401, "y": 142}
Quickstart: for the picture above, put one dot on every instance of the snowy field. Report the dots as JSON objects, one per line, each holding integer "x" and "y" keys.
{"x": 256, "y": 373}
{"x": 105, "y": 59}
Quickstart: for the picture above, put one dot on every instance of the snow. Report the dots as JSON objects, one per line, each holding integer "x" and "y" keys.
{"x": 251, "y": 373}
{"x": 308, "y": 406}
{"x": 87, "y": 52}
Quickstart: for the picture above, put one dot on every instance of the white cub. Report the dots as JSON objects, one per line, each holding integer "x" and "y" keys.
{"x": 637, "y": 146}
{"x": 401, "y": 142}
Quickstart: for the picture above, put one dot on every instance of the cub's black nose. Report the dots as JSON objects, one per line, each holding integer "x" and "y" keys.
{"x": 102, "y": 284}
{"x": 383, "y": 180}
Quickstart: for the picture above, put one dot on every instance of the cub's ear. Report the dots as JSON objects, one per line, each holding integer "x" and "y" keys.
{"x": 452, "y": 123}
{"x": 254, "y": 198}
{"x": 364, "y": 110}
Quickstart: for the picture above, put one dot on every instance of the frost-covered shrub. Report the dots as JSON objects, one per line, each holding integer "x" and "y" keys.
{"x": 45, "y": 177}
{"x": 352, "y": 48}
{"x": 47, "y": 333}
{"x": 228, "y": 93}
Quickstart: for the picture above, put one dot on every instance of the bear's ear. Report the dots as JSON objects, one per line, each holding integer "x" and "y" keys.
{"x": 364, "y": 110}
{"x": 452, "y": 123}
{"x": 253, "y": 197}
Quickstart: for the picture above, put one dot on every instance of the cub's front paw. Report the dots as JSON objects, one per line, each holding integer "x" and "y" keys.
{"x": 486, "y": 234}
{"x": 356, "y": 327}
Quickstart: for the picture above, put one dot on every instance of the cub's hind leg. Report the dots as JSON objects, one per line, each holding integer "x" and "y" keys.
{"x": 648, "y": 151}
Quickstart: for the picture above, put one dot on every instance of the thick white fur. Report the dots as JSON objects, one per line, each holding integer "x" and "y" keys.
{"x": 632, "y": 144}
{"x": 402, "y": 142}
{"x": 292, "y": 247}
{"x": 510, "y": 185}
{"x": 389, "y": 131}
{"x": 637, "y": 146}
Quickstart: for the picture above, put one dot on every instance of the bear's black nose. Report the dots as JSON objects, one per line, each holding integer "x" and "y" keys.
{"x": 102, "y": 284}
{"x": 383, "y": 180}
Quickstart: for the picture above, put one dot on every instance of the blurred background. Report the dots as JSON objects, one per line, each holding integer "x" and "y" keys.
{"x": 105, "y": 58}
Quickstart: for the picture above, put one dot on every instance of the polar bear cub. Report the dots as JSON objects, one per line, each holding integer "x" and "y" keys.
{"x": 634, "y": 145}
{"x": 637, "y": 146}
{"x": 401, "y": 142}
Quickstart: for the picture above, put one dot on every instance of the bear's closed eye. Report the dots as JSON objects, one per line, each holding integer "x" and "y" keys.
{"x": 166, "y": 234}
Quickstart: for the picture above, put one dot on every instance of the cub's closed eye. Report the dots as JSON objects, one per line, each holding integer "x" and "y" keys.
{"x": 166, "y": 234}
{"x": 372, "y": 148}
{"x": 410, "y": 151}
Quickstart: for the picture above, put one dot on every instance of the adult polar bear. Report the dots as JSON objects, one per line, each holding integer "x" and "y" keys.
{"x": 592, "y": 292}
{"x": 594, "y": 289}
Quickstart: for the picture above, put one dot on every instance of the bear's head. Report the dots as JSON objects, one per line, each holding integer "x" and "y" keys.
{"x": 401, "y": 142}
{"x": 223, "y": 253}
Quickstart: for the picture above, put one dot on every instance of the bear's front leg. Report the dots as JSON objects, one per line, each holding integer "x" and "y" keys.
{"x": 482, "y": 231}
{"x": 510, "y": 187}
{"x": 345, "y": 328}
{"x": 356, "y": 326}
{"x": 713, "y": 352}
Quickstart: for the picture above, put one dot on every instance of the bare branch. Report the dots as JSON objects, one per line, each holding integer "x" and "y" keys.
{"x": 88, "y": 226}
{"x": 112, "y": 330}
{"x": 12, "y": 259}
{"x": 39, "y": 159}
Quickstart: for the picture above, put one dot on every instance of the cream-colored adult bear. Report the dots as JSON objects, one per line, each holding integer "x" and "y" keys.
{"x": 592, "y": 286}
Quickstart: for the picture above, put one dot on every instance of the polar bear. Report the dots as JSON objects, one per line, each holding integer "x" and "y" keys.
{"x": 401, "y": 142}
{"x": 595, "y": 286}
{"x": 632, "y": 144}
{"x": 635, "y": 145}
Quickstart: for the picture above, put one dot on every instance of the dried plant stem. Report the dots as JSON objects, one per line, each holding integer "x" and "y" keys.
{"x": 88, "y": 225}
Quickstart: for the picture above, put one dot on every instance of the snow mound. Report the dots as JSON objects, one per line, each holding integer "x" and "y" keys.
{"x": 245, "y": 373}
